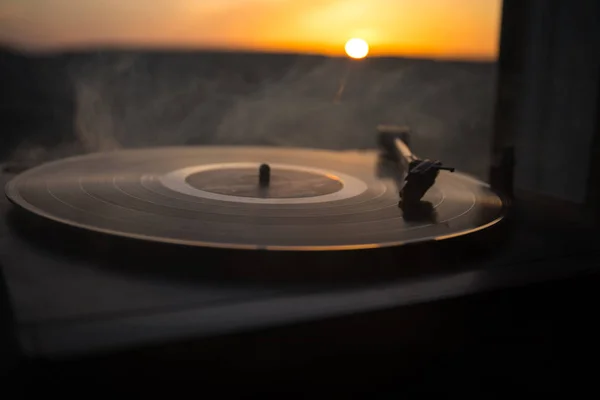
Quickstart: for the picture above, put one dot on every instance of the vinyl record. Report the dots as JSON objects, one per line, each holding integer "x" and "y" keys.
{"x": 212, "y": 196}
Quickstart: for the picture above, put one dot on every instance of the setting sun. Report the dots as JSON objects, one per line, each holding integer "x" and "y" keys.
{"x": 457, "y": 29}
{"x": 357, "y": 48}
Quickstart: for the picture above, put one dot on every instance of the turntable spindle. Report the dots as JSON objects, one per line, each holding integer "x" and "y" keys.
{"x": 264, "y": 175}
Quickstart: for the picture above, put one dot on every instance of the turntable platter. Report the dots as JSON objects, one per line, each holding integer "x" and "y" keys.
{"x": 210, "y": 196}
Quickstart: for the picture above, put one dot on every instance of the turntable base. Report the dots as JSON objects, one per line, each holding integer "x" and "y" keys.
{"x": 71, "y": 302}
{"x": 64, "y": 306}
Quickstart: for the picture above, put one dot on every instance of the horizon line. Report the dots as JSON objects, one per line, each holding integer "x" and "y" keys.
{"x": 59, "y": 50}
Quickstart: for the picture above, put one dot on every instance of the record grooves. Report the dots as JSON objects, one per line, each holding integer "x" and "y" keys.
{"x": 201, "y": 212}
{"x": 319, "y": 201}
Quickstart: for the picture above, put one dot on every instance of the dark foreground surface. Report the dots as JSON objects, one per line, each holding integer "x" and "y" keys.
{"x": 538, "y": 339}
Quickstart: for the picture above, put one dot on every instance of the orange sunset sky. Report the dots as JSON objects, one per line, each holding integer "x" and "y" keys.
{"x": 431, "y": 28}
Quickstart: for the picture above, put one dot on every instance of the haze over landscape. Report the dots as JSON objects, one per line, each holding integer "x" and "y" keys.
{"x": 93, "y": 75}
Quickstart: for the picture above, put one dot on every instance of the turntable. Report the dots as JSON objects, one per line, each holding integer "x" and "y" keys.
{"x": 133, "y": 248}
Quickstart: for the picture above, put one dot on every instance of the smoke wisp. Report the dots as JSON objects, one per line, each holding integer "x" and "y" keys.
{"x": 126, "y": 100}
